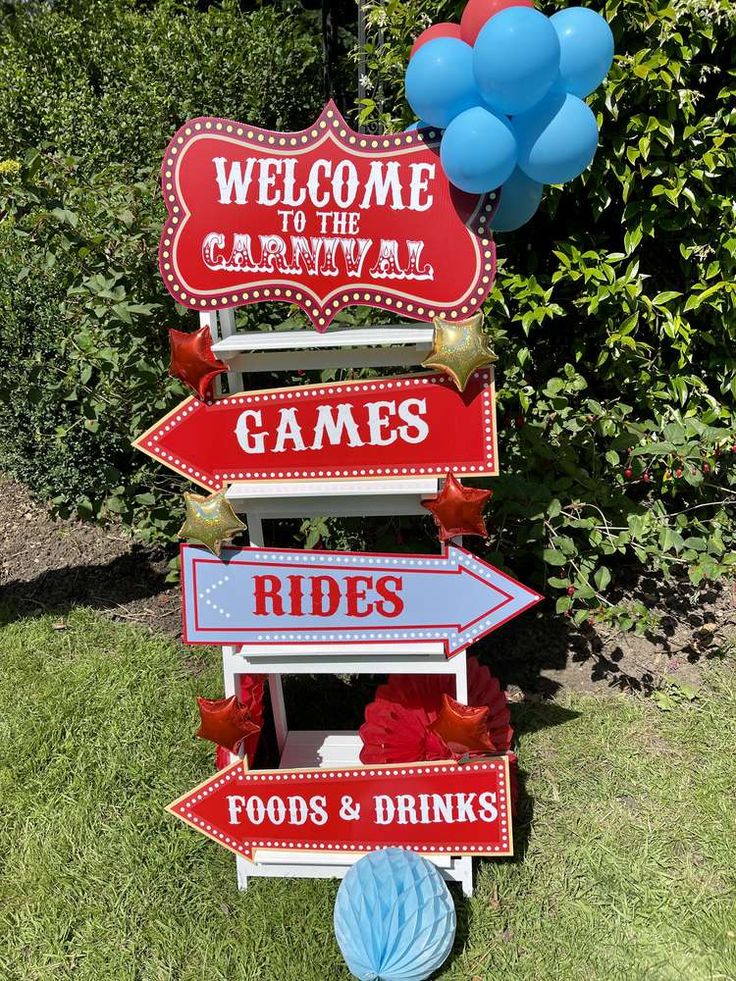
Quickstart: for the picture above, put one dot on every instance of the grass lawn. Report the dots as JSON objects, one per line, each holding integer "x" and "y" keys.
{"x": 627, "y": 869}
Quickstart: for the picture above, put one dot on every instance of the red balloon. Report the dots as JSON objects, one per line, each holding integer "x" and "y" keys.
{"x": 225, "y": 721}
{"x": 436, "y": 30}
{"x": 192, "y": 360}
{"x": 250, "y": 697}
{"x": 478, "y": 12}
{"x": 458, "y": 510}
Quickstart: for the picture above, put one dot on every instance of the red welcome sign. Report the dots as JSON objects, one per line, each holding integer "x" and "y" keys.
{"x": 435, "y": 808}
{"x": 392, "y": 427}
{"x": 324, "y": 218}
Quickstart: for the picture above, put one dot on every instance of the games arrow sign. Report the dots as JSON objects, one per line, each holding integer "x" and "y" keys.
{"x": 275, "y": 596}
{"x": 385, "y": 427}
{"x": 436, "y": 808}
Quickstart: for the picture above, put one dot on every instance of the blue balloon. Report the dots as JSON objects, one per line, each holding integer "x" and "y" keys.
{"x": 557, "y": 139}
{"x": 394, "y": 916}
{"x": 516, "y": 59}
{"x": 520, "y": 198}
{"x": 420, "y": 124}
{"x": 586, "y": 49}
{"x": 478, "y": 151}
{"x": 439, "y": 81}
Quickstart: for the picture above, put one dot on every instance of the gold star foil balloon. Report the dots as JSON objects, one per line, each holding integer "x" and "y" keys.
{"x": 459, "y": 349}
{"x": 210, "y": 520}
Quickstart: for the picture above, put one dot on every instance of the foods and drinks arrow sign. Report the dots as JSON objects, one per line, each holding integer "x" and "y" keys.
{"x": 435, "y": 808}
{"x": 324, "y": 218}
{"x": 275, "y": 596}
{"x": 391, "y": 427}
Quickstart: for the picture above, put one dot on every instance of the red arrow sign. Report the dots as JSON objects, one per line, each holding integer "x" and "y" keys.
{"x": 325, "y": 218}
{"x": 435, "y": 808}
{"x": 391, "y": 427}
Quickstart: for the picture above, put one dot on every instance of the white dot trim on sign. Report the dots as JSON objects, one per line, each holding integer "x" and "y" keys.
{"x": 218, "y": 479}
{"x": 185, "y": 809}
{"x": 330, "y": 126}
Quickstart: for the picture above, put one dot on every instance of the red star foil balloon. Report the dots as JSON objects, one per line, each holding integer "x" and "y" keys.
{"x": 225, "y": 721}
{"x": 251, "y": 690}
{"x": 399, "y": 722}
{"x": 192, "y": 360}
{"x": 463, "y": 727}
{"x": 458, "y": 510}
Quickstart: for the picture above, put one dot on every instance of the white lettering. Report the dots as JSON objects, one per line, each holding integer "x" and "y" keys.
{"x": 248, "y": 441}
{"x": 333, "y": 428}
{"x": 385, "y": 809}
{"x": 267, "y": 180}
{"x": 380, "y": 185}
{"x": 234, "y": 180}
{"x": 414, "y": 422}
{"x": 345, "y": 183}
{"x": 289, "y": 429}
{"x": 235, "y": 805}
{"x": 378, "y": 421}
{"x": 318, "y": 810}
{"x": 419, "y": 184}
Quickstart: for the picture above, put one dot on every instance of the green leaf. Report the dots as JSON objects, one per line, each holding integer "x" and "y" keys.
{"x": 552, "y": 557}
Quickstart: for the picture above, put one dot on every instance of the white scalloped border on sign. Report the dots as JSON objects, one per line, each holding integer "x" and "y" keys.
{"x": 320, "y": 309}
{"x": 149, "y": 442}
{"x": 184, "y": 808}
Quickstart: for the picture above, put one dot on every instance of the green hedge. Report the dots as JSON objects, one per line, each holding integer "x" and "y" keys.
{"x": 613, "y": 312}
{"x": 89, "y": 95}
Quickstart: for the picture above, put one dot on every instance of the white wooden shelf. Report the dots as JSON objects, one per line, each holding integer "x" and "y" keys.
{"x": 390, "y": 346}
{"x": 314, "y": 748}
{"x": 366, "y": 347}
{"x": 334, "y": 498}
{"x": 414, "y": 657}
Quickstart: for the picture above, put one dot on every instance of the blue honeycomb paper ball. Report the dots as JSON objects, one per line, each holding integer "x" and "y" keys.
{"x": 394, "y": 917}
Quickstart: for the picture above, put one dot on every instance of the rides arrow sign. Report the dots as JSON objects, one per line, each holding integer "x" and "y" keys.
{"x": 284, "y": 597}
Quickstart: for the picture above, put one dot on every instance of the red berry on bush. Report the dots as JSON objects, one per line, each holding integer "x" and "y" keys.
{"x": 520, "y": 420}
{"x": 628, "y": 473}
{"x": 706, "y": 468}
{"x": 678, "y": 472}
{"x": 733, "y": 448}
{"x": 646, "y": 477}
{"x": 570, "y": 590}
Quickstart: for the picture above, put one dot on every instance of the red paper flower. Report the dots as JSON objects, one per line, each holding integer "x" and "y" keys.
{"x": 192, "y": 360}
{"x": 458, "y": 510}
{"x": 400, "y": 723}
{"x": 250, "y": 695}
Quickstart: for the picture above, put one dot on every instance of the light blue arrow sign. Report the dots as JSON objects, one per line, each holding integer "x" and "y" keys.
{"x": 274, "y": 596}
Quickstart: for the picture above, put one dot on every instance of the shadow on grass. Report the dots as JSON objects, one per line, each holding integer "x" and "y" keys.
{"x": 135, "y": 576}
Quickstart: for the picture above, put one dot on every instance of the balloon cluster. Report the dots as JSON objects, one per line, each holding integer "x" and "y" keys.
{"x": 506, "y": 85}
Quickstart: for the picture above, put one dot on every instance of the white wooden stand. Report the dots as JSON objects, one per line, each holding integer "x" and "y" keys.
{"x": 283, "y": 351}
